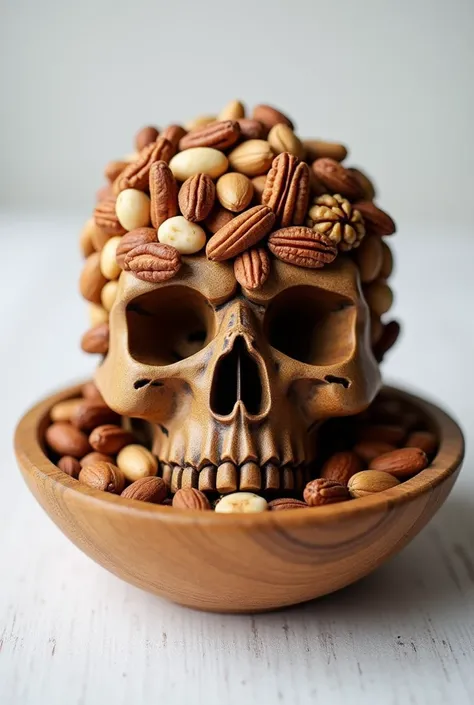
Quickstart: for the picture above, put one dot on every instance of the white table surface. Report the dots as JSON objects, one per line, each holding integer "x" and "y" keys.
{"x": 72, "y": 634}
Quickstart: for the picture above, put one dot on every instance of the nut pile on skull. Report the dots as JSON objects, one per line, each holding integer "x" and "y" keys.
{"x": 237, "y": 283}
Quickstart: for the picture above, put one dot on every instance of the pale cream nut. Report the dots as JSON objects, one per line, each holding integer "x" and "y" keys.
{"x": 64, "y": 410}
{"x": 199, "y": 121}
{"x": 234, "y": 191}
{"x": 234, "y": 110}
{"x": 136, "y": 461}
{"x": 133, "y": 209}
{"x": 97, "y": 315}
{"x": 109, "y": 294}
{"x": 241, "y": 503}
{"x": 108, "y": 260}
{"x": 186, "y": 237}
{"x": 198, "y": 160}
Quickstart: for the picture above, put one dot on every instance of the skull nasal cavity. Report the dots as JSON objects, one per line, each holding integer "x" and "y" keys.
{"x": 236, "y": 378}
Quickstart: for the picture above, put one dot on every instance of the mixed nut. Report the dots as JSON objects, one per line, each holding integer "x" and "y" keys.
{"x": 359, "y": 456}
{"x": 233, "y": 187}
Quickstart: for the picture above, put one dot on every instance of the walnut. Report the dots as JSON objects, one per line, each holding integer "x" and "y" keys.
{"x": 336, "y": 218}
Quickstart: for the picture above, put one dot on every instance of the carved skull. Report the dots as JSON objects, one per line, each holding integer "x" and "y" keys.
{"x": 236, "y": 382}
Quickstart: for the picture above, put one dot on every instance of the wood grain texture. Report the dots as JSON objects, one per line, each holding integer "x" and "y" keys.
{"x": 70, "y": 632}
{"x": 238, "y": 563}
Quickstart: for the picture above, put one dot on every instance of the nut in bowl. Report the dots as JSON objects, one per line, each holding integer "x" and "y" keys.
{"x": 237, "y": 283}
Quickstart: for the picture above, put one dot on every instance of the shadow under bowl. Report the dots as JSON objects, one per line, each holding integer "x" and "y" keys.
{"x": 239, "y": 562}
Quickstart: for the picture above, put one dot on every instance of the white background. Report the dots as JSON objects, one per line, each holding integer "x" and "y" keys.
{"x": 394, "y": 81}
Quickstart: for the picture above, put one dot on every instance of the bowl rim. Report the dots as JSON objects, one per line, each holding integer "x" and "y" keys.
{"x": 32, "y": 459}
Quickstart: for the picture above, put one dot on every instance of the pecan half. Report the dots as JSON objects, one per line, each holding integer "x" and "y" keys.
{"x": 136, "y": 174}
{"x": 218, "y": 135}
{"x": 196, "y": 197}
{"x": 243, "y": 231}
{"x": 252, "y": 268}
{"x": 106, "y": 219}
{"x": 286, "y": 189}
{"x": 337, "y": 179}
{"x": 163, "y": 193}
{"x": 153, "y": 262}
{"x": 302, "y": 246}
{"x": 139, "y": 236}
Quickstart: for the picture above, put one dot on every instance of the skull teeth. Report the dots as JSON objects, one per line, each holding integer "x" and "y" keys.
{"x": 227, "y": 477}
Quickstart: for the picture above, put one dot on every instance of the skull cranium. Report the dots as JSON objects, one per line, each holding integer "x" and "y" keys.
{"x": 235, "y": 381}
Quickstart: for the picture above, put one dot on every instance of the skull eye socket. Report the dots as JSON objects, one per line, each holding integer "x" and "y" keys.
{"x": 168, "y": 325}
{"x": 312, "y": 325}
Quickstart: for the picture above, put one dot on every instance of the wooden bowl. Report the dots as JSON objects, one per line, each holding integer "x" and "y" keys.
{"x": 239, "y": 563}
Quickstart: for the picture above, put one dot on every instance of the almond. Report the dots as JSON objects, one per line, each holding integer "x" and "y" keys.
{"x": 64, "y": 439}
{"x": 163, "y": 193}
{"x": 284, "y": 503}
{"x": 95, "y": 457}
{"x": 387, "y": 262}
{"x": 368, "y": 450}
{"x": 401, "y": 463}
{"x": 147, "y": 489}
{"x": 234, "y": 191}
{"x": 153, "y": 262}
{"x": 379, "y": 297}
{"x": 91, "y": 413}
{"x": 106, "y": 477}
{"x": 112, "y": 171}
{"x": 137, "y": 173}
{"x": 106, "y": 220}
{"x": 377, "y": 222}
{"x": 323, "y": 491}
{"x": 389, "y": 337}
{"x": 136, "y": 462}
{"x": 388, "y": 433}
{"x": 96, "y": 339}
{"x": 302, "y": 246}
{"x": 219, "y": 135}
{"x": 366, "y": 185}
{"x": 139, "y": 236}
{"x": 145, "y": 136}
{"x": 317, "y": 149}
{"x": 71, "y": 466}
{"x": 217, "y": 218}
{"x": 370, "y": 482}
{"x": 90, "y": 391}
{"x": 92, "y": 280}
{"x": 109, "y": 439}
{"x": 86, "y": 242}
{"x": 337, "y": 179}
{"x": 173, "y": 133}
{"x": 425, "y": 440}
{"x": 252, "y": 129}
{"x": 252, "y": 158}
{"x": 252, "y": 268}
{"x": 196, "y": 197}
{"x": 369, "y": 258}
{"x": 341, "y": 466}
{"x": 242, "y": 232}
{"x": 270, "y": 116}
{"x": 259, "y": 183}
{"x": 191, "y": 498}
{"x": 287, "y": 190}
{"x": 282, "y": 139}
